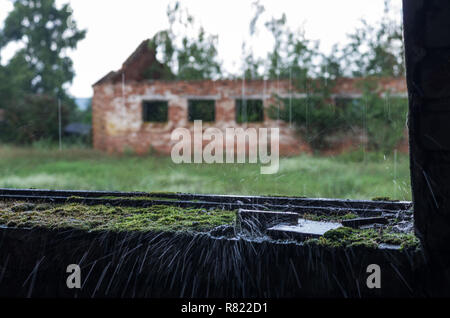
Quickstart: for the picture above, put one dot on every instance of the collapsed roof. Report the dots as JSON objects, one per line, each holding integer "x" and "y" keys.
{"x": 141, "y": 65}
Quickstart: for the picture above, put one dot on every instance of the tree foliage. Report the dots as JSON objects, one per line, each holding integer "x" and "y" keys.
{"x": 187, "y": 57}
{"x": 376, "y": 50}
{"x": 373, "y": 51}
{"x": 384, "y": 117}
{"x": 381, "y": 118}
{"x": 39, "y": 71}
{"x": 45, "y": 33}
{"x": 35, "y": 117}
{"x": 292, "y": 54}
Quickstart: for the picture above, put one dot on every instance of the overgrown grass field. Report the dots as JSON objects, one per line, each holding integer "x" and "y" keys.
{"x": 353, "y": 175}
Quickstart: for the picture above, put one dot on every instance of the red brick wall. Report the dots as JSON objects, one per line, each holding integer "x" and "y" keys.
{"x": 117, "y": 111}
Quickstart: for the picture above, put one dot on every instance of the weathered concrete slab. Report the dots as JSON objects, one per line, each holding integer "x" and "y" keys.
{"x": 254, "y": 220}
{"x": 304, "y": 229}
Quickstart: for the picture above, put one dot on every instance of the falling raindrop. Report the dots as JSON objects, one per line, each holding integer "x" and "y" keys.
{"x": 395, "y": 173}
{"x": 264, "y": 90}
{"x": 244, "y": 101}
{"x": 59, "y": 124}
{"x": 123, "y": 89}
{"x": 307, "y": 111}
{"x": 364, "y": 123}
{"x": 290, "y": 97}
{"x": 278, "y": 94}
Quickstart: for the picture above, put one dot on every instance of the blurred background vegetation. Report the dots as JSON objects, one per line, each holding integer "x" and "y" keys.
{"x": 34, "y": 82}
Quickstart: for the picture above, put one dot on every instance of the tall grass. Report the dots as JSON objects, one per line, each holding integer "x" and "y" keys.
{"x": 352, "y": 176}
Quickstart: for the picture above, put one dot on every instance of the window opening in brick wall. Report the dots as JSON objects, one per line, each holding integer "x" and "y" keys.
{"x": 204, "y": 110}
{"x": 155, "y": 111}
{"x": 249, "y": 111}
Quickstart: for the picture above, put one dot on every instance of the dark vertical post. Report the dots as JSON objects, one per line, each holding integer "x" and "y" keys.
{"x": 427, "y": 42}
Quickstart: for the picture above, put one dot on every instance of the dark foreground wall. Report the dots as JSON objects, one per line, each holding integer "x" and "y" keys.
{"x": 33, "y": 263}
{"x": 427, "y": 44}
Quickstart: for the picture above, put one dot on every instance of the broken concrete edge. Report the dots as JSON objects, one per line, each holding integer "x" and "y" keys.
{"x": 316, "y": 230}
{"x": 262, "y": 219}
{"x": 356, "y": 223}
{"x": 303, "y": 230}
{"x": 259, "y": 221}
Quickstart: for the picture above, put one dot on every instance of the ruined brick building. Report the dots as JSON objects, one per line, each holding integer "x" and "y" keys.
{"x": 131, "y": 112}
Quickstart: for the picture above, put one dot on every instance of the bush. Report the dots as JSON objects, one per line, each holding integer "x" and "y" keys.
{"x": 315, "y": 118}
{"x": 386, "y": 122}
{"x": 33, "y": 118}
{"x": 383, "y": 119}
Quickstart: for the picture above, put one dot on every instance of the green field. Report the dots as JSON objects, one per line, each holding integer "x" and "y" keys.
{"x": 353, "y": 175}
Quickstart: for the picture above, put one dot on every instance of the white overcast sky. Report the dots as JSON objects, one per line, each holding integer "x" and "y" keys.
{"x": 116, "y": 27}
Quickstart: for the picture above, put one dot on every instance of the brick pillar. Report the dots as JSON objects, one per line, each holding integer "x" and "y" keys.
{"x": 427, "y": 41}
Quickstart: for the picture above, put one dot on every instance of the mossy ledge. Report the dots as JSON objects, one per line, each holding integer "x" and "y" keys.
{"x": 370, "y": 238}
{"x": 109, "y": 218}
{"x": 161, "y": 218}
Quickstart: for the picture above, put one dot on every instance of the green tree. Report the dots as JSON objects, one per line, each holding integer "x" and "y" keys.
{"x": 292, "y": 55}
{"x": 376, "y": 50}
{"x": 331, "y": 64}
{"x": 252, "y": 66}
{"x": 373, "y": 51}
{"x": 33, "y": 118}
{"x": 385, "y": 117}
{"x": 186, "y": 57}
{"x": 197, "y": 57}
{"x": 15, "y": 80}
{"x": 46, "y": 33}
{"x": 162, "y": 43}
{"x": 38, "y": 72}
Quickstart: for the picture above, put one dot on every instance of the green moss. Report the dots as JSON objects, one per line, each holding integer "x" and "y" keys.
{"x": 22, "y": 207}
{"x": 43, "y": 207}
{"x": 165, "y": 218}
{"x": 329, "y": 217}
{"x": 370, "y": 238}
{"x": 342, "y": 233}
{"x": 408, "y": 240}
{"x": 74, "y": 197}
{"x": 101, "y": 217}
